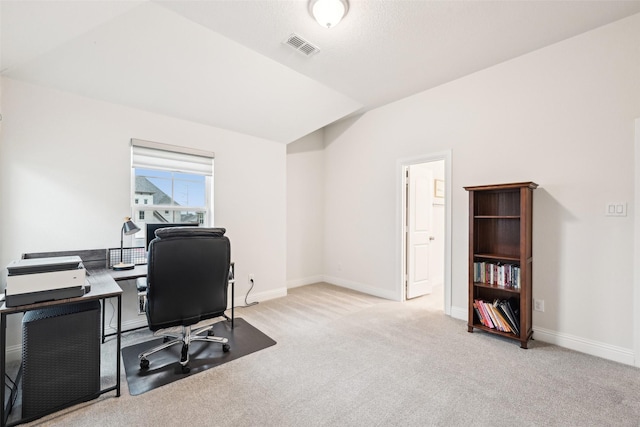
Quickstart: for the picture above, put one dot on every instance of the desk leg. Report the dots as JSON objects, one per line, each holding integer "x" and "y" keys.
{"x": 104, "y": 309}
{"x": 118, "y": 345}
{"x": 3, "y": 369}
{"x": 233, "y": 291}
{"x": 233, "y": 300}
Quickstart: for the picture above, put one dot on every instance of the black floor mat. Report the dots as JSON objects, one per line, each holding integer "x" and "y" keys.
{"x": 164, "y": 367}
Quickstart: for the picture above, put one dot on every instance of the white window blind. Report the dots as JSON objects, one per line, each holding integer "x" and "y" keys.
{"x": 154, "y": 155}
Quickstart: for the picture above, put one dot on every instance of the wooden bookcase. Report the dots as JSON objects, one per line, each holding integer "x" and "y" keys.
{"x": 500, "y": 258}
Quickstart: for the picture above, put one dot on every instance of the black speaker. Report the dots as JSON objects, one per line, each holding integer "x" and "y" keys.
{"x": 60, "y": 357}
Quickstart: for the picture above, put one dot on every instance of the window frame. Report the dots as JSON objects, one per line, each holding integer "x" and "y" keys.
{"x": 207, "y": 209}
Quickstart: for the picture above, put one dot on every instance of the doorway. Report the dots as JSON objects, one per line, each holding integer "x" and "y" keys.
{"x": 425, "y": 232}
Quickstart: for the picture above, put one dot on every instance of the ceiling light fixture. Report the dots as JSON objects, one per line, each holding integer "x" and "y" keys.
{"x": 328, "y": 12}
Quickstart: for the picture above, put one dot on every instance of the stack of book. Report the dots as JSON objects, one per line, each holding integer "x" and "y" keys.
{"x": 505, "y": 275}
{"x": 499, "y": 314}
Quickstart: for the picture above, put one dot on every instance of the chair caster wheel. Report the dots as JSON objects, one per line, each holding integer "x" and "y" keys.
{"x": 186, "y": 369}
{"x": 211, "y": 333}
{"x": 144, "y": 363}
{"x": 226, "y": 348}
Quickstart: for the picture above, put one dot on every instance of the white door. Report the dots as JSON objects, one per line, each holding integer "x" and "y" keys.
{"x": 419, "y": 235}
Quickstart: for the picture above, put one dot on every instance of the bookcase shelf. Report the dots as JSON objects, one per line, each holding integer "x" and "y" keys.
{"x": 500, "y": 260}
{"x": 498, "y": 287}
{"x": 499, "y": 257}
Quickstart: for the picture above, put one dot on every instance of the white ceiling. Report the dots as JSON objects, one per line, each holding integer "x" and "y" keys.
{"x": 224, "y": 62}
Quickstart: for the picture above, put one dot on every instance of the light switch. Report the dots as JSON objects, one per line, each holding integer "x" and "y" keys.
{"x": 616, "y": 209}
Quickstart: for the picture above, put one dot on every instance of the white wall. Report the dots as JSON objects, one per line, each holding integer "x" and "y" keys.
{"x": 563, "y": 117}
{"x": 305, "y": 210}
{"x": 65, "y": 180}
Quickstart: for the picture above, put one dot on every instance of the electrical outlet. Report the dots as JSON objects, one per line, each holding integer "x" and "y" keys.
{"x": 538, "y": 305}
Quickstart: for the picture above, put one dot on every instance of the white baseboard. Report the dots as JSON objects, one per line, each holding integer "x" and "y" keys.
{"x": 260, "y": 296}
{"x": 360, "y": 287}
{"x": 593, "y": 348}
{"x": 572, "y": 342}
{"x": 304, "y": 281}
{"x": 459, "y": 313}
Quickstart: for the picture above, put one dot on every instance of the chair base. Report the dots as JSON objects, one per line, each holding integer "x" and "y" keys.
{"x": 184, "y": 335}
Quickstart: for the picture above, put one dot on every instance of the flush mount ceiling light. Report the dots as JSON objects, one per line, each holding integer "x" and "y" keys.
{"x": 328, "y": 12}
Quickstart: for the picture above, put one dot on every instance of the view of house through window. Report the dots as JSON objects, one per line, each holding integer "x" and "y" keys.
{"x": 165, "y": 193}
{"x": 164, "y": 196}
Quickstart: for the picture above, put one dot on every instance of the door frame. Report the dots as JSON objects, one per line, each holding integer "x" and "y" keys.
{"x": 400, "y": 222}
{"x": 636, "y": 243}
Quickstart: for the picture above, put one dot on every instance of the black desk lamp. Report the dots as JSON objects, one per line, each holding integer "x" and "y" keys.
{"x": 128, "y": 228}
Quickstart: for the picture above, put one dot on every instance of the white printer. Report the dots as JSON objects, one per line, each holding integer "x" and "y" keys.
{"x": 44, "y": 279}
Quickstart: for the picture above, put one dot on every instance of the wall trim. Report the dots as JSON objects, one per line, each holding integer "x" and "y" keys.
{"x": 593, "y": 348}
{"x": 361, "y": 287}
{"x": 260, "y": 296}
{"x": 459, "y": 313}
{"x": 296, "y": 283}
{"x": 636, "y": 247}
{"x": 571, "y": 342}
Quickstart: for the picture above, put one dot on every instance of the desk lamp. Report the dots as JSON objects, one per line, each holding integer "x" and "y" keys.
{"x": 128, "y": 228}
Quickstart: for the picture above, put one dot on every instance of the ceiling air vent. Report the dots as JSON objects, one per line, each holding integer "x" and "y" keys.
{"x": 301, "y": 45}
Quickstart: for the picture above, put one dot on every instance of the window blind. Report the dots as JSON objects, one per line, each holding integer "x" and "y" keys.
{"x": 154, "y": 155}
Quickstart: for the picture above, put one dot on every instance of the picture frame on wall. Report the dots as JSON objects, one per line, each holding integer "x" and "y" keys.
{"x": 438, "y": 192}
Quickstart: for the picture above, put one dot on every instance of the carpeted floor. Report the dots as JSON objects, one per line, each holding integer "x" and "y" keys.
{"x": 348, "y": 359}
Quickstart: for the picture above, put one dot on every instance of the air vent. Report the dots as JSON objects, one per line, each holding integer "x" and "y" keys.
{"x": 301, "y": 45}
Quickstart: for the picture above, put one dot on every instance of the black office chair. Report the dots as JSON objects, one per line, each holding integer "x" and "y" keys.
{"x": 187, "y": 282}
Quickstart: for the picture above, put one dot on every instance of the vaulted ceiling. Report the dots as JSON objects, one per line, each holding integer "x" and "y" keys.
{"x": 226, "y": 63}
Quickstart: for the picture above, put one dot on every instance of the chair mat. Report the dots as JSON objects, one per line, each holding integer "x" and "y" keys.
{"x": 164, "y": 367}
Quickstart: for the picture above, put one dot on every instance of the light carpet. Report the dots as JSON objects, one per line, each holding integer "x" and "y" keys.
{"x": 344, "y": 358}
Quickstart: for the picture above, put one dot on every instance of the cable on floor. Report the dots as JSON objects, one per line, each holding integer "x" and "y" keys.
{"x": 248, "y": 304}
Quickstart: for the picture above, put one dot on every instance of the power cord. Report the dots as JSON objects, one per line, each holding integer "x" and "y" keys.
{"x": 248, "y": 304}
{"x": 113, "y": 312}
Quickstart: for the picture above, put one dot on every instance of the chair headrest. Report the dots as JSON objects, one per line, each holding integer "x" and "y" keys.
{"x": 171, "y": 232}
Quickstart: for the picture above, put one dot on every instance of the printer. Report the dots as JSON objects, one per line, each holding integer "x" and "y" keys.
{"x": 34, "y": 280}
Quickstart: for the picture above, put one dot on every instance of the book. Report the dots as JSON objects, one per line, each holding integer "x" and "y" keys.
{"x": 499, "y": 314}
{"x": 503, "y": 275}
{"x": 503, "y": 322}
{"x": 478, "y": 314}
{"x": 485, "y": 314}
{"x": 510, "y": 316}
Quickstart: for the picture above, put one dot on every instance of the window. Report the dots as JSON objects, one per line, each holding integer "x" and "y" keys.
{"x": 170, "y": 184}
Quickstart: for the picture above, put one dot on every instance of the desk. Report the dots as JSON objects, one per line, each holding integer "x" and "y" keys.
{"x": 103, "y": 286}
{"x": 120, "y": 275}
